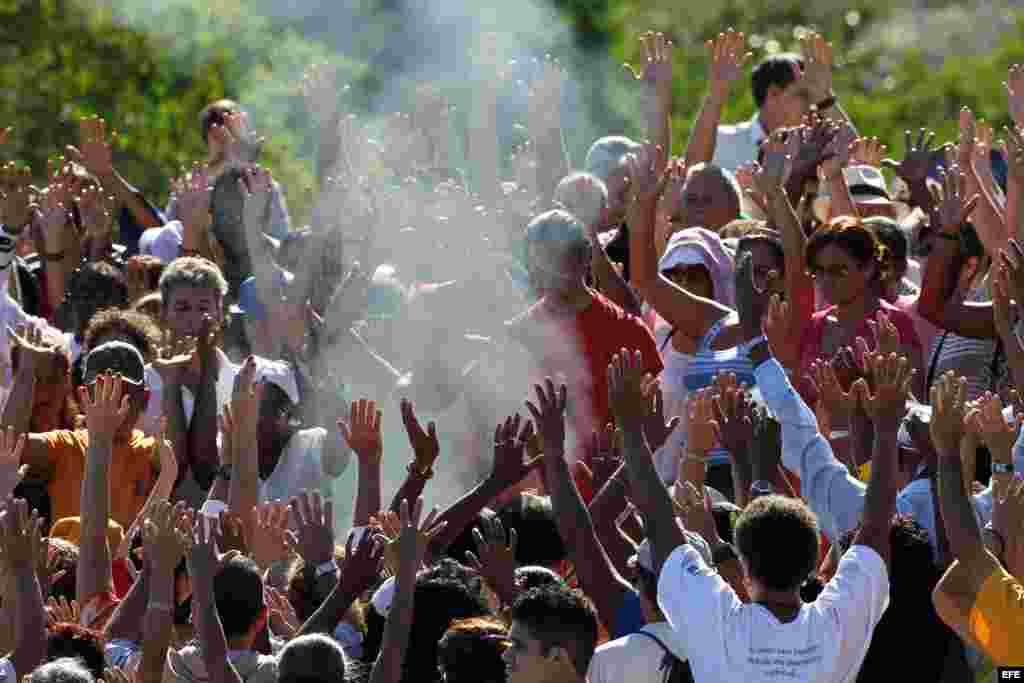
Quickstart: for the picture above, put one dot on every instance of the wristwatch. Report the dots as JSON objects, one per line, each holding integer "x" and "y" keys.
{"x": 1002, "y": 468}
{"x": 761, "y": 487}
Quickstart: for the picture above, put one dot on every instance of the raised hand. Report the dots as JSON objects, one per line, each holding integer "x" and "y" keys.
{"x": 204, "y": 562}
{"x": 61, "y": 611}
{"x": 549, "y": 416}
{"x": 362, "y": 565}
{"x": 647, "y": 176}
{"x": 953, "y": 208}
{"x": 362, "y": 432}
{"x": 776, "y": 324}
{"x": 97, "y": 212}
{"x": 269, "y": 543}
{"x": 603, "y": 455}
{"x": 887, "y": 336}
{"x": 703, "y": 432}
{"x": 817, "y": 74}
{"x": 105, "y": 407}
{"x": 751, "y": 302}
{"x": 94, "y": 150}
{"x": 919, "y": 157}
{"x": 495, "y": 558}
{"x": 15, "y": 196}
{"x": 174, "y": 359}
{"x": 256, "y": 185}
{"x": 510, "y": 439}
{"x": 695, "y": 508}
{"x": 949, "y": 407}
{"x": 626, "y": 390}
{"x": 728, "y": 57}
{"x": 656, "y": 72}
{"x": 193, "y": 193}
{"x": 815, "y": 138}
{"x": 886, "y": 402}
{"x": 733, "y": 412}
{"x": 867, "y": 152}
{"x": 166, "y": 534}
{"x": 245, "y": 398}
{"x": 998, "y": 434}
{"x": 425, "y": 446}
{"x": 283, "y": 619}
{"x": 11, "y": 470}
{"x": 1011, "y": 261}
{"x": 313, "y": 522}
{"x": 20, "y": 535}
{"x": 656, "y": 428}
{"x": 415, "y": 535}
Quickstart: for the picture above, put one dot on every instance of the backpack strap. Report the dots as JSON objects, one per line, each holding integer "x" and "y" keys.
{"x": 671, "y": 664}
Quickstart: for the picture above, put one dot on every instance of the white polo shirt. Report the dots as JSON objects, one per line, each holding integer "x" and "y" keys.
{"x": 736, "y": 145}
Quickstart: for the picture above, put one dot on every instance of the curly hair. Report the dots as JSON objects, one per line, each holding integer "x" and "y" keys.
{"x": 855, "y": 238}
{"x": 76, "y": 642}
{"x": 778, "y": 539}
{"x": 139, "y": 329}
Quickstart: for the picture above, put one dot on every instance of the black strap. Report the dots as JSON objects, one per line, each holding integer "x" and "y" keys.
{"x": 682, "y": 665}
{"x": 935, "y": 362}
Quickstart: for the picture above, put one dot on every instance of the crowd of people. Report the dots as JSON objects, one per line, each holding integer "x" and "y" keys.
{"x": 738, "y": 412}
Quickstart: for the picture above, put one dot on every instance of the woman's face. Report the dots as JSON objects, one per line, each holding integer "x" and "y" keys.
{"x": 694, "y": 279}
{"x": 763, "y": 260}
{"x": 842, "y": 277}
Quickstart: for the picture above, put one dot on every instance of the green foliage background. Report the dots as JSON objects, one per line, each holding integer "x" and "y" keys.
{"x": 149, "y": 67}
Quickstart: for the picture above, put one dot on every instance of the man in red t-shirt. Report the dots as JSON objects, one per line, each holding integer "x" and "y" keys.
{"x": 572, "y": 331}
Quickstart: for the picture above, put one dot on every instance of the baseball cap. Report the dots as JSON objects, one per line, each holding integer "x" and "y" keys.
{"x": 115, "y": 358}
{"x": 867, "y": 186}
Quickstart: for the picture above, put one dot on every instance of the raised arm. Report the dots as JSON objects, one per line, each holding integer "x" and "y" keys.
{"x": 484, "y": 153}
{"x": 425, "y": 447}
{"x": 630, "y": 407}
{"x": 412, "y": 548}
{"x": 32, "y": 356}
{"x": 545, "y": 124}
{"x": 510, "y": 467}
{"x": 885, "y": 405}
{"x": 359, "y": 572}
{"x": 243, "y": 492}
{"x": 597, "y": 575}
{"x": 937, "y": 303}
{"x": 770, "y": 179}
{"x": 95, "y": 153}
{"x": 166, "y": 534}
{"x": 106, "y": 407}
{"x": 20, "y": 534}
{"x": 362, "y": 434}
{"x": 655, "y": 79}
{"x": 689, "y": 314}
{"x": 728, "y": 57}
{"x": 202, "y": 430}
{"x": 948, "y": 398}
{"x": 203, "y": 565}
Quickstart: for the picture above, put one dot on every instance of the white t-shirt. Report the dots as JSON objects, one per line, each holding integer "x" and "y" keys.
{"x": 636, "y": 658}
{"x": 300, "y": 467}
{"x": 727, "y": 640}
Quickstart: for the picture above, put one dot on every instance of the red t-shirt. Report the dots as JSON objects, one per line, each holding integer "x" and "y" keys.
{"x": 810, "y": 342}
{"x": 577, "y": 351}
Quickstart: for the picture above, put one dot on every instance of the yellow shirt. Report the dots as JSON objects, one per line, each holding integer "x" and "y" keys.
{"x": 997, "y": 618}
{"x": 133, "y": 471}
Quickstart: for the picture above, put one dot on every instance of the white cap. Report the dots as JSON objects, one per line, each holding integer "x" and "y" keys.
{"x": 681, "y": 255}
